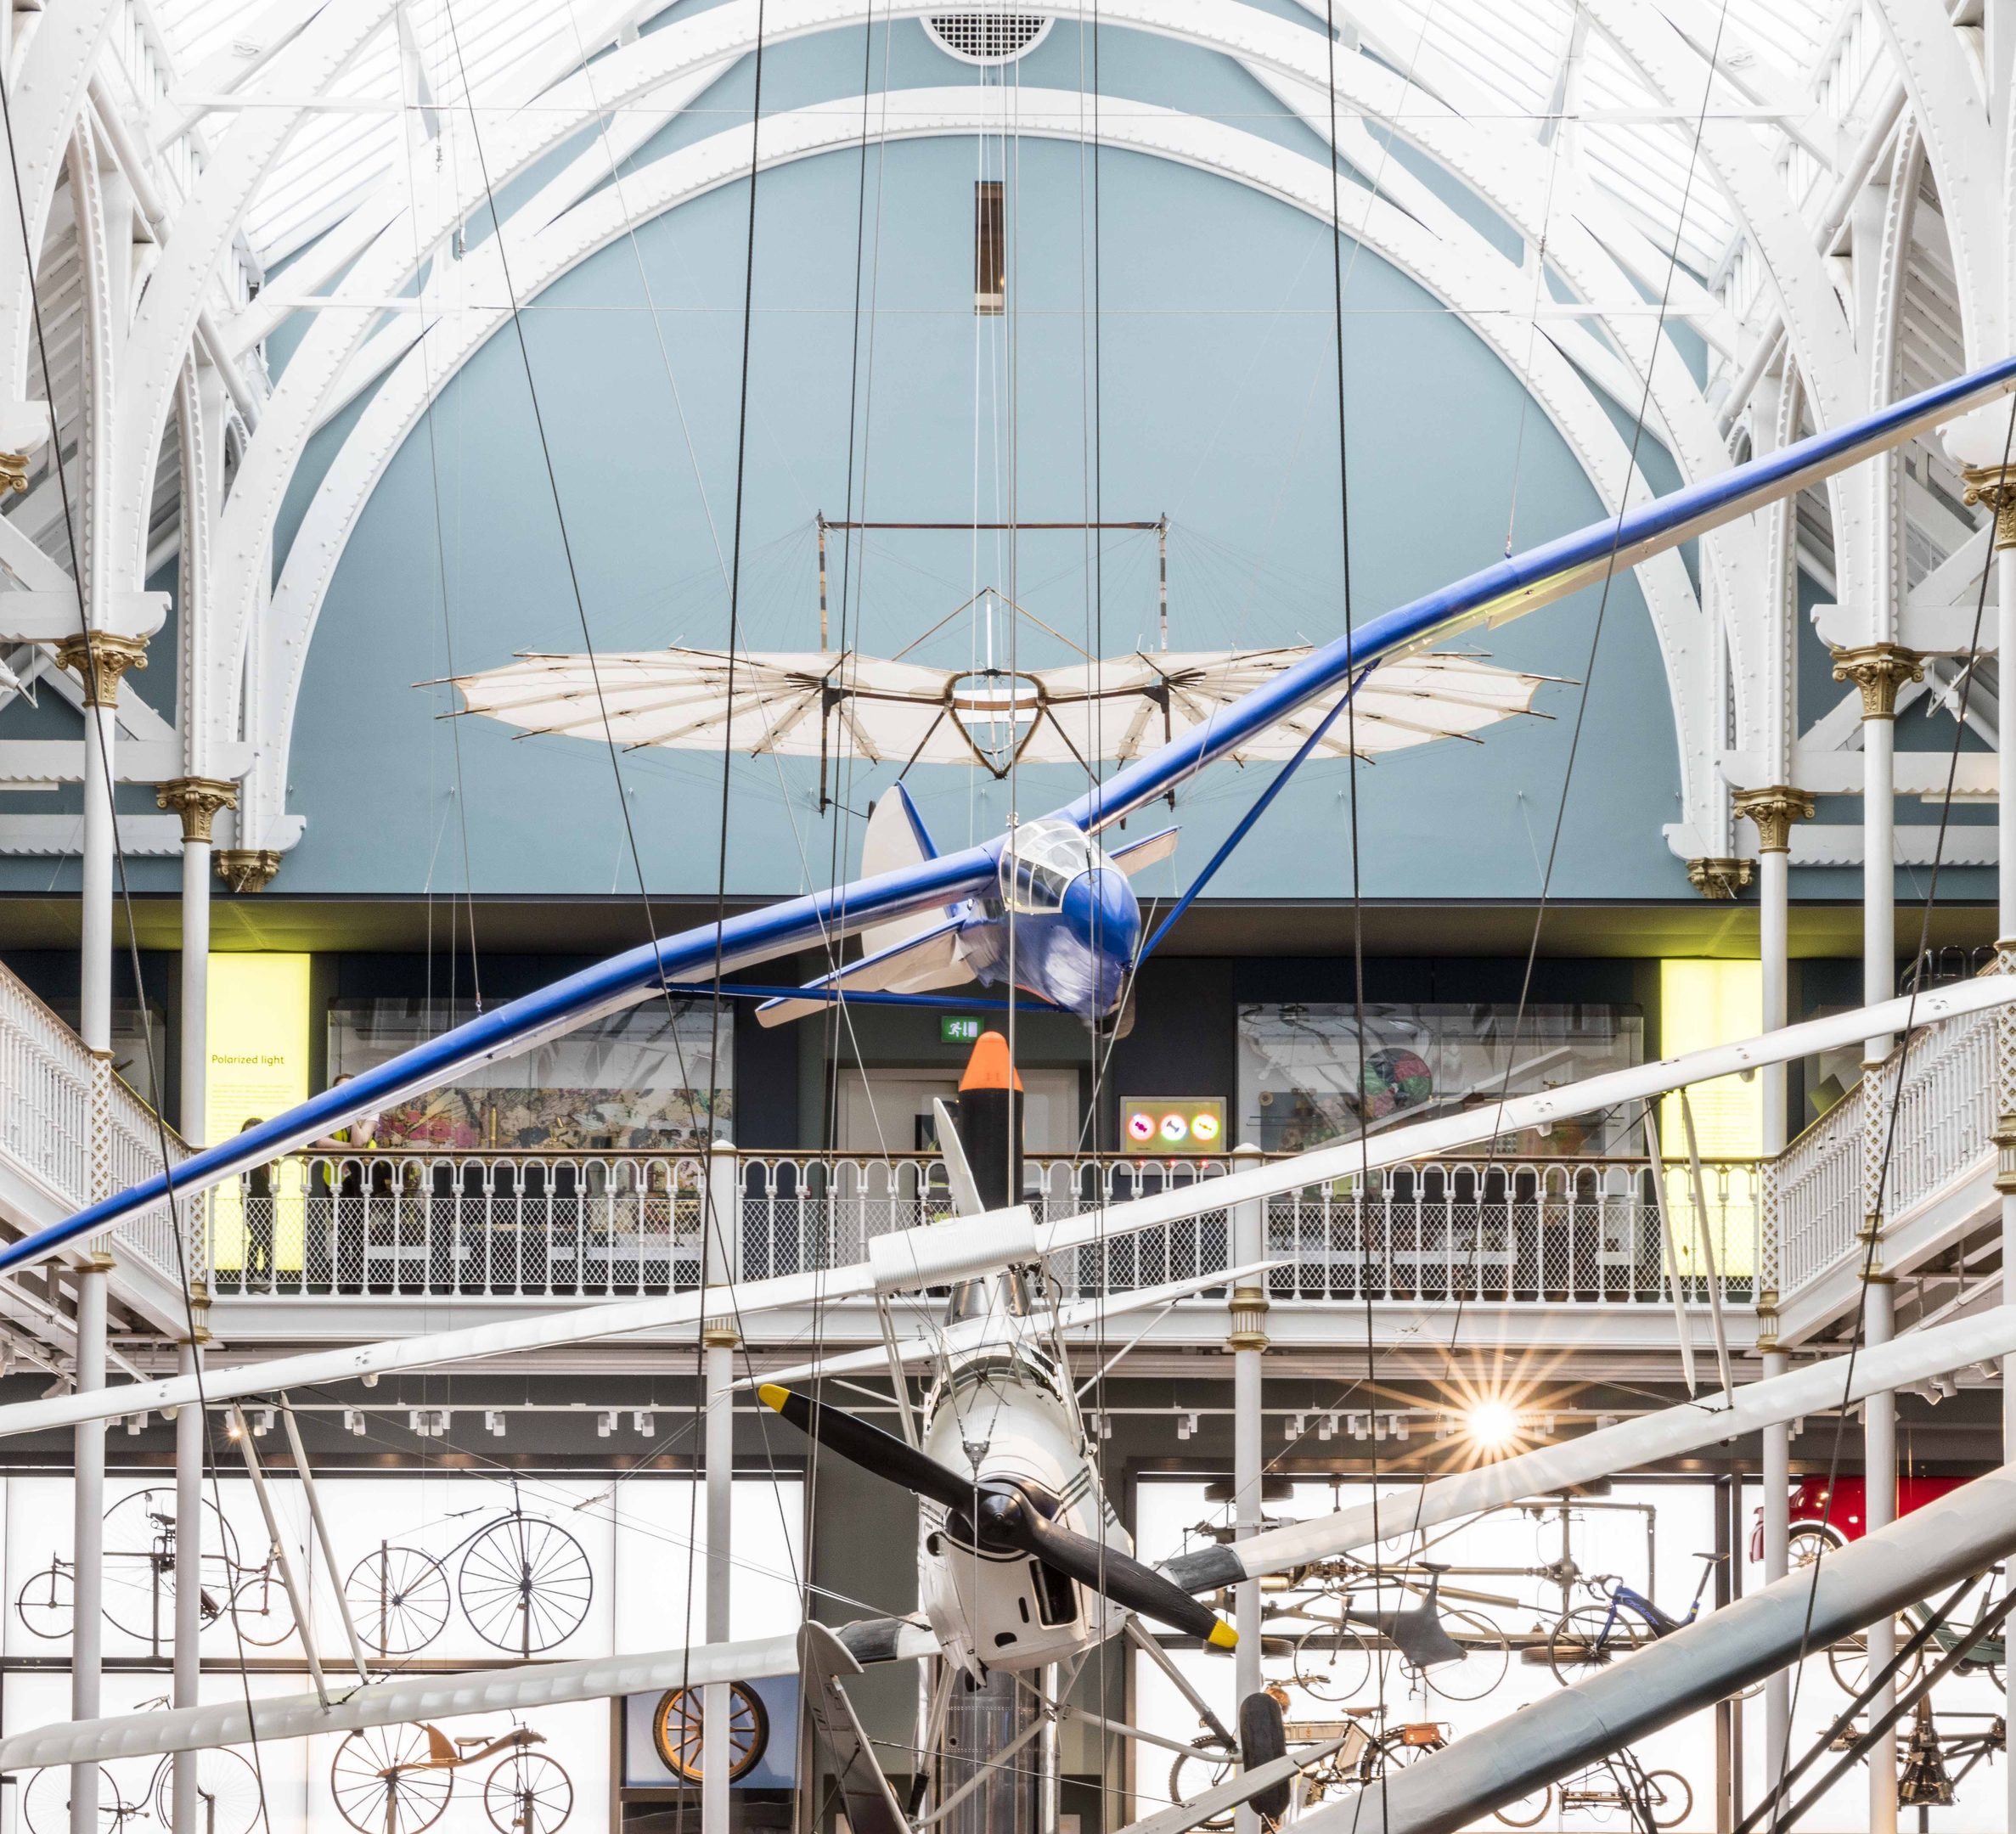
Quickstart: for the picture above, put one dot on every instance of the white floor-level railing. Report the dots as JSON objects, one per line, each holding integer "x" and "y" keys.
{"x": 416, "y": 1222}
{"x": 46, "y": 1126}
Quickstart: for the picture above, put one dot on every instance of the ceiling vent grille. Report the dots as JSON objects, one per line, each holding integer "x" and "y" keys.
{"x": 987, "y": 37}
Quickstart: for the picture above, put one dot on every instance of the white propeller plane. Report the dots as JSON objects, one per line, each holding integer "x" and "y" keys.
{"x": 1007, "y": 1456}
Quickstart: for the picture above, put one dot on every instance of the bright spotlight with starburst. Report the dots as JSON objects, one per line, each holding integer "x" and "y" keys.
{"x": 1492, "y": 1425}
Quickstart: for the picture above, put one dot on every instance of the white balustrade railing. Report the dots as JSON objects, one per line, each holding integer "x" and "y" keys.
{"x": 421, "y": 1223}
{"x": 1922, "y": 1137}
{"x": 46, "y": 1123}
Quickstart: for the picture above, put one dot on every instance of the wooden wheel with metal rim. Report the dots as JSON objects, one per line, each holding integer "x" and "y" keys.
{"x": 677, "y": 1730}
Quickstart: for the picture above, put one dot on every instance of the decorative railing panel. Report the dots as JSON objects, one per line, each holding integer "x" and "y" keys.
{"x": 415, "y": 1223}
{"x": 46, "y": 1127}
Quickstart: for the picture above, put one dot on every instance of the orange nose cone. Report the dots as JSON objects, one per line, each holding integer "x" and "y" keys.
{"x": 990, "y": 1066}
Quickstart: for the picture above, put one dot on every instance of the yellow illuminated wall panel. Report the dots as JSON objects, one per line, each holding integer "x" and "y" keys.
{"x": 257, "y": 1016}
{"x": 1704, "y": 1002}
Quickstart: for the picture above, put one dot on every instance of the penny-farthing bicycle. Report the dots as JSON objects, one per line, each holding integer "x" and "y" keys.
{"x": 523, "y": 1582}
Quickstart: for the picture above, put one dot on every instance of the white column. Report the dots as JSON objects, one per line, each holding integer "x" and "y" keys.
{"x": 188, "y": 1589}
{"x": 197, "y": 801}
{"x": 2005, "y": 930}
{"x": 1777, "y": 1511}
{"x": 94, "y": 969}
{"x": 195, "y": 988}
{"x": 1879, "y": 1511}
{"x": 1249, "y": 1345}
{"x": 722, "y": 1218}
{"x": 88, "y": 1539}
{"x": 1879, "y": 871}
{"x": 1773, "y": 811}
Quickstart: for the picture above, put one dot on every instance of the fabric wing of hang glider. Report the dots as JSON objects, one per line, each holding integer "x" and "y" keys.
{"x": 910, "y": 1259}
{"x": 1506, "y": 589}
{"x": 820, "y": 704}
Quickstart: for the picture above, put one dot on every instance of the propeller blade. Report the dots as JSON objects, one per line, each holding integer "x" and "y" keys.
{"x": 871, "y": 1447}
{"x": 1119, "y": 1577}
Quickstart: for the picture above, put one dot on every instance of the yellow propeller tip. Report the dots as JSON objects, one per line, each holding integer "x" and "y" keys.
{"x": 772, "y": 1396}
{"x": 1224, "y": 1636}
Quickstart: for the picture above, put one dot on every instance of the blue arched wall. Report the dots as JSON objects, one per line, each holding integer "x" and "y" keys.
{"x": 1216, "y": 403}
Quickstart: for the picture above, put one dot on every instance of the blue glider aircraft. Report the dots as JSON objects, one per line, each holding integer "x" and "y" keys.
{"x": 1079, "y": 954}
{"x": 1061, "y": 921}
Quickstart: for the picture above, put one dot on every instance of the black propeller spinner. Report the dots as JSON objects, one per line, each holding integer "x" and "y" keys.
{"x": 1005, "y": 1514}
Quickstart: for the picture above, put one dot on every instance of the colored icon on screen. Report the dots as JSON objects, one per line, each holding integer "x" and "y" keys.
{"x": 1174, "y": 1123}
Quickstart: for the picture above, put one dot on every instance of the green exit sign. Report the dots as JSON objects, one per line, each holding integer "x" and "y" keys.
{"x": 957, "y": 1028}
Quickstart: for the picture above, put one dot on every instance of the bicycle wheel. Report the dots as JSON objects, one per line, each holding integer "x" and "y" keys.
{"x": 1528, "y": 1811}
{"x": 1668, "y": 1796}
{"x": 141, "y": 1561}
{"x": 376, "y": 1788}
{"x": 264, "y": 1614}
{"x": 44, "y": 1604}
{"x": 45, "y": 1803}
{"x": 1333, "y": 1662}
{"x": 1589, "y": 1637}
{"x": 228, "y": 1796}
{"x": 677, "y": 1723}
{"x": 399, "y": 1600}
{"x": 528, "y": 1793}
{"x": 1847, "y": 1660}
{"x": 1487, "y": 1657}
{"x": 525, "y": 1585}
{"x": 1206, "y": 1765}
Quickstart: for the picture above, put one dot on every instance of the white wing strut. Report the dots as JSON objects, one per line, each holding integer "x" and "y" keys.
{"x": 930, "y": 1256}
{"x": 421, "y": 1697}
{"x": 1933, "y": 1350}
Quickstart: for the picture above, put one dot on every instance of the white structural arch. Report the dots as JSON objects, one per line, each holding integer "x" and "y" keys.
{"x": 543, "y": 255}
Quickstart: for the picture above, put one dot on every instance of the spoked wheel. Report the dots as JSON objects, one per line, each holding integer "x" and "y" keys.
{"x": 262, "y": 1607}
{"x": 45, "y": 1603}
{"x": 677, "y": 1723}
{"x": 1590, "y": 1637}
{"x": 376, "y": 1788}
{"x": 45, "y": 1803}
{"x": 1333, "y": 1662}
{"x": 141, "y": 1563}
{"x": 398, "y": 1599}
{"x": 1396, "y": 1749}
{"x": 528, "y": 1793}
{"x": 526, "y": 1585}
{"x": 1528, "y": 1811}
{"x": 227, "y": 1795}
{"x": 1205, "y": 1766}
{"x": 1487, "y": 1657}
{"x": 1668, "y": 1796}
{"x": 1849, "y": 1660}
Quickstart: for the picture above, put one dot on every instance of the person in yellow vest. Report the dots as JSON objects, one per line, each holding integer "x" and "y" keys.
{"x": 343, "y": 1190}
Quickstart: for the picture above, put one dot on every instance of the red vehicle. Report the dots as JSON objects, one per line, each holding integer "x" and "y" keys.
{"x": 1814, "y": 1524}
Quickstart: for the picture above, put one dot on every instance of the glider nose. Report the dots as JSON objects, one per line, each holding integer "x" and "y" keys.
{"x": 1105, "y": 918}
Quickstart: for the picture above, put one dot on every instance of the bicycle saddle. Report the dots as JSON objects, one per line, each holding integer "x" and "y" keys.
{"x": 1715, "y": 1560}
